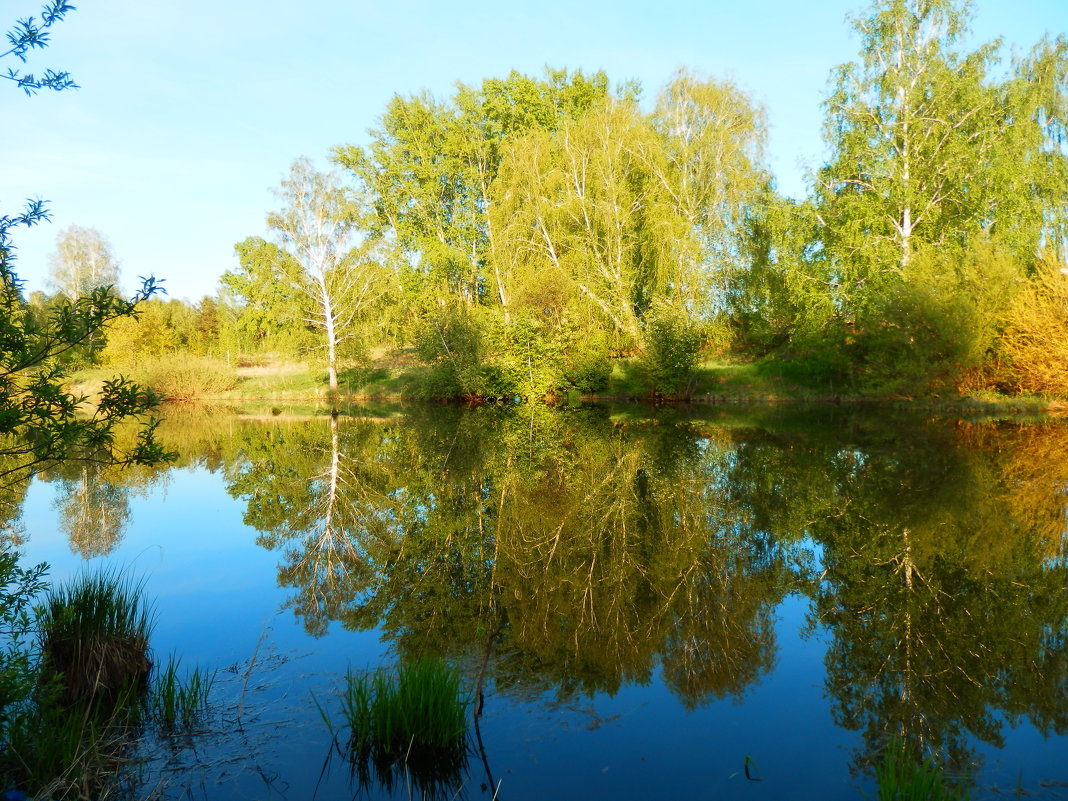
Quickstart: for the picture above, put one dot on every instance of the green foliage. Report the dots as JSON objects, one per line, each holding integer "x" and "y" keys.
{"x": 451, "y": 340}
{"x": 18, "y": 588}
{"x": 902, "y": 778}
{"x": 414, "y": 720}
{"x": 28, "y": 34}
{"x": 149, "y": 334}
{"x": 529, "y": 357}
{"x": 939, "y": 320}
{"x": 708, "y": 163}
{"x": 931, "y": 148}
{"x": 672, "y": 351}
{"x": 574, "y": 210}
{"x": 268, "y": 316}
{"x": 431, "y": 163}
{"x": 483, "y": 354}
{"x": 94, "y": 639}
{"x": 786, "y": 295}
{"x": 40, "y": 422}
{"x": 588, "y": 368}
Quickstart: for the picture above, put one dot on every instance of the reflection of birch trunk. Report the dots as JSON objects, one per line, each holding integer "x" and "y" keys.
{"x": 335, "y": 465}
{"x": 328, "y": 543}
{"x": 479, "y": 702}
{"x": 328, "y": 540}
{"x": 346, "y": 517}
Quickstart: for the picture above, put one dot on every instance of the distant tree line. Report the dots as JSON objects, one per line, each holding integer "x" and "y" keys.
{"x": 519, "y": 235}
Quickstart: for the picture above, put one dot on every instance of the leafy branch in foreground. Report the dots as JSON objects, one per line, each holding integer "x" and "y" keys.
{"x": 41, "y": 422}
{"x": 24, "y": 36}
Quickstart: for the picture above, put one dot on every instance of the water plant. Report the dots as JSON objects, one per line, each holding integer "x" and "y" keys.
{"x": 902, "y": 777}
{"x": 94, "y": 639}
{"x": 68, "y": 736}
{"x": 178, "y": 703}
{"x": 413, "y": 720}
{"x": 58, "y": 753}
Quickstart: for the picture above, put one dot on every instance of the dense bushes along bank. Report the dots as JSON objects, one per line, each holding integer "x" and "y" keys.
{"x": 398, "y": 376}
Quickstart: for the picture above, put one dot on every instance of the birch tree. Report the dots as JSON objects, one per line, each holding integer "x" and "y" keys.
{"x": 334, "y": 276}
{"x": 576, "y": 209}
{"x": 82, "y": 261}
{"x": 431, "y": 163}
{"x": 931, "y": 151}
{"x": 708, "y": 161}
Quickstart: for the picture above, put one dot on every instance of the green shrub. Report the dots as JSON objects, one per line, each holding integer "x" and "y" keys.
{"x": 587, "y": 367}
{"x": 450, "y": 342}
{"x": 935, "y": 320}
{"x": 487, "y": 381}
{"x": 817, "y": 362}
{"x": 672, "y": 351}
{"x": 413, "y": 720}
{"x": 589, "y": 372}
{"x": 529, "y": 356}
{"x": 439, "y": 381}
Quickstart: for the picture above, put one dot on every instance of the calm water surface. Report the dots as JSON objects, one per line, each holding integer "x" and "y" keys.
{"x": 652, "y": 604}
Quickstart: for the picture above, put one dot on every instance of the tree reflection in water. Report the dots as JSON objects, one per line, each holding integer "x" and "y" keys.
{"x": 573, "y": 552}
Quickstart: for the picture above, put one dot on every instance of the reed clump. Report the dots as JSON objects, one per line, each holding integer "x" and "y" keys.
{"x": 95, "y": 640}
{"x": 414, "y": 718}
{"x": 70, "y": 735}
{"x": 902, "y": 777}
{"x": 76, "y": 704}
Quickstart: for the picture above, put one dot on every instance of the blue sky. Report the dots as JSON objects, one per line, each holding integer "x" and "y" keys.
{"x": 191, "y": 110}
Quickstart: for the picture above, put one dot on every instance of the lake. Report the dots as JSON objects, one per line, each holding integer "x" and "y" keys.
{"x": 690, "y": 603}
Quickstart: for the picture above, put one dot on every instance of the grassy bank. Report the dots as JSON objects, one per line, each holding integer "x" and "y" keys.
{"x": 400, "y": 377}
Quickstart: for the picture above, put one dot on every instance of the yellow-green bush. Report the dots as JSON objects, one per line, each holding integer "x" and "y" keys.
{"x": 1034, "y": 344}
{"x": 146, "y": 335}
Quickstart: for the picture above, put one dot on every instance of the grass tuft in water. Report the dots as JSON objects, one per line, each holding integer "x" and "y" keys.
{"x": 94, "y": 640}
{"x": 72, "y": 736}
{"x": 178, "y": 704}
{"x": 902, "y": 777}
{"x": 414, "y": 720}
